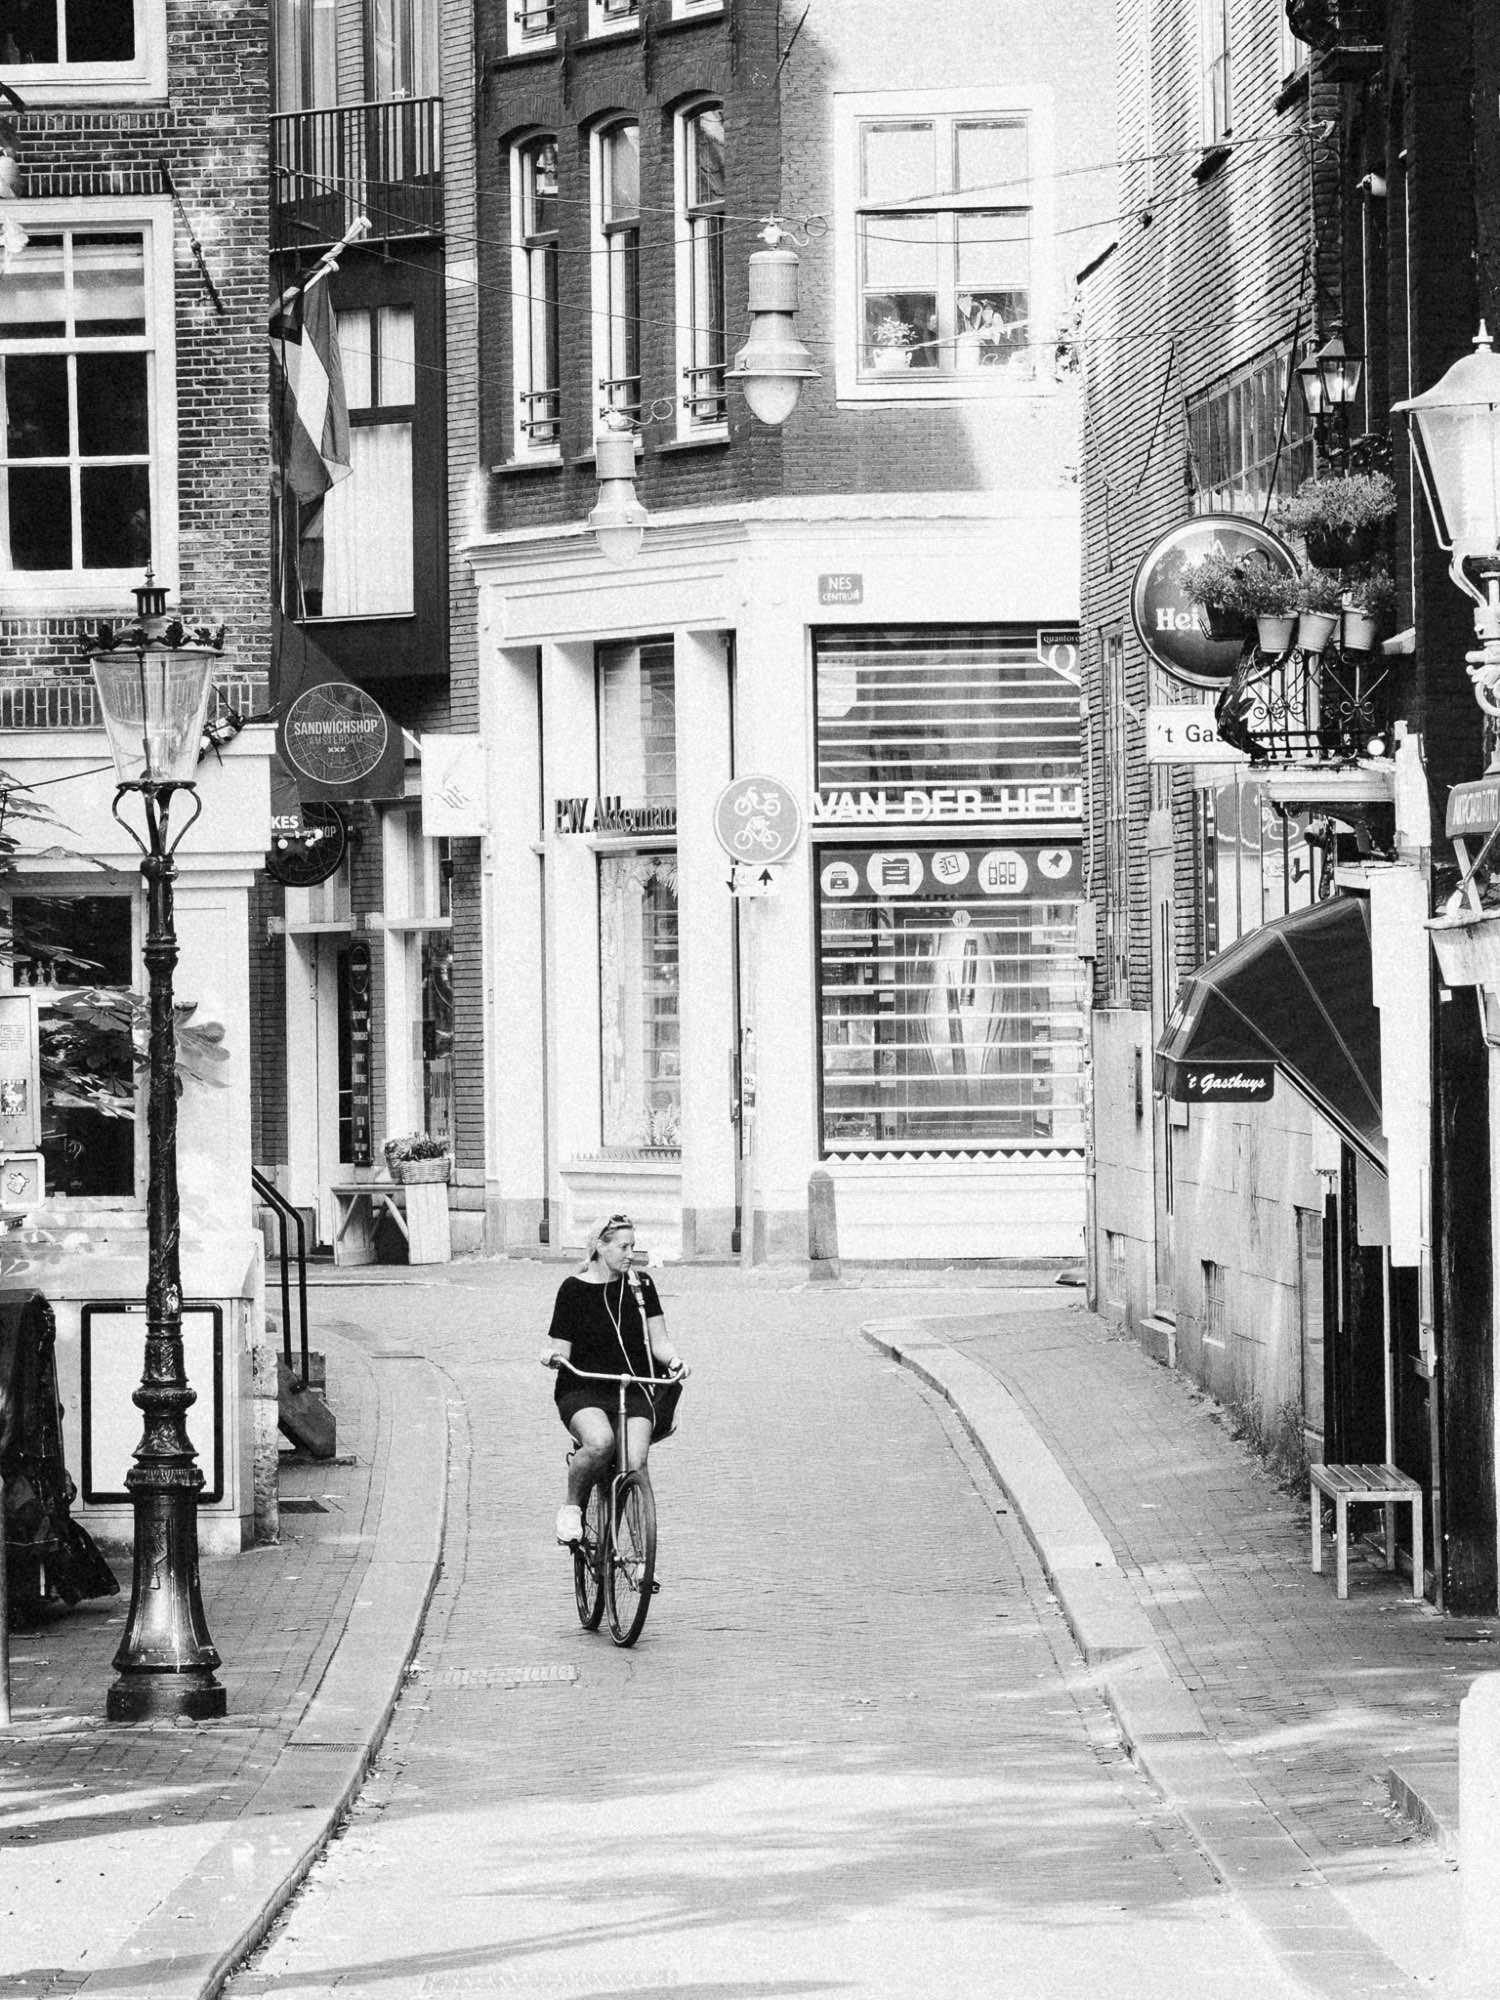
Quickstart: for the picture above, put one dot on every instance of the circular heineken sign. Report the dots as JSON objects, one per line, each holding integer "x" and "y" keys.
{"x": 335, "y": 733}
{"x": 1169, "y": 624}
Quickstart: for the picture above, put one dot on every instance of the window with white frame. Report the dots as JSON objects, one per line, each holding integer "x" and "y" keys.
{"x": 1217, "y": 108}
{"x": 942, "y": 232}
{"x": 87, "y": 401}
{"x": 418, "y": 922}
{"x": 355, "y": 546}
{"x": 531, "y": 25}
{"x": 687, "y": 10}
{"x": 700, "y": 268}
{"x": 95, "y": 51}
{"x": 402, "y": 49}
{"x": 610, "y": 17}
{"x": 617, "y": 267}
{"x": 534, "y": 314}
{"x": 304, "y": 57}
{"x": 68, "y": 947}
{"x": 1249, "y": 440}
{"x": 1291, "y": 54}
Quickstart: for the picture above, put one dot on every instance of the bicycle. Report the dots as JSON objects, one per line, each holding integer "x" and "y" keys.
{"x": 615, "y": 1561}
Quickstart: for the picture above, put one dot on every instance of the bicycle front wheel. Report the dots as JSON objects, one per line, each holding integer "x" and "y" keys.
{"x": 631, "y": 1569}
{"x": 588, "y": 1560}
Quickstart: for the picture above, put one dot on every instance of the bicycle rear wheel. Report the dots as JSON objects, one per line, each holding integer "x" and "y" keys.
{"x": 630, "y": 1572}
{"x": 588, "y": 1560}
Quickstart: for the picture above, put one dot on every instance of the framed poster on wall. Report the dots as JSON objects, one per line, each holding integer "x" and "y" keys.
{"x": 112, "y": 1343}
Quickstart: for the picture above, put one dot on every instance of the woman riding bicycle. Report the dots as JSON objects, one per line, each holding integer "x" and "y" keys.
{"x": 607, "y": 1320}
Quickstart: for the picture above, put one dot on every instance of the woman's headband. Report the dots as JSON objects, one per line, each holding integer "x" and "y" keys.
{"x": 607, "y": 1229}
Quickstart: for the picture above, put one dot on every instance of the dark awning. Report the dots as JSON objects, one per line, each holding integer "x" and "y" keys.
{"x": 1296, "y": 992}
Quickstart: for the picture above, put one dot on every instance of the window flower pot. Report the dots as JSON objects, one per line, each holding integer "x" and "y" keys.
{"x": 415, "y": 1172}
{"x": 1275, "y": 633}
{"x": 890, "y": 360}
{"x": 1315, "y": 629}
{"x": 1336, "y": 548}
{"x": 1360, "y": 632}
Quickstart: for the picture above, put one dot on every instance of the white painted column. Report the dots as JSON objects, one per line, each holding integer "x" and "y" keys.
{"x": 570, "y": 768}
{"x": 515, "y": 1010}
{"x": 774, "y": 730}
{"x": 705, "y": 945}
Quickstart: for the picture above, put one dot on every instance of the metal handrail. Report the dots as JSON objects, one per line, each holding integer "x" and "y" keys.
{"x": 272, "y": 1196}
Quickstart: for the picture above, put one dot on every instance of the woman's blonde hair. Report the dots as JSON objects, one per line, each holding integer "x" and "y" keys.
{"x": 602, "y": 1234}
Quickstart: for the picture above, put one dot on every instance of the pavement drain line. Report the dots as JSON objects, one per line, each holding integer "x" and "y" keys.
{"x": 500, "y": 1677}
{"x": 1160, "y": 1722}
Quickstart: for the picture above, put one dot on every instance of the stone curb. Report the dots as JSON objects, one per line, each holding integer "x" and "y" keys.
{"x": 207, "y": 1924}
{"x": 1305, "y": 1926}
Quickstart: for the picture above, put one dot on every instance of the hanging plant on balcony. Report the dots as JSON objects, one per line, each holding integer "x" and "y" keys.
{"x": 1215, "y": 581}
{"x": 1269, "y": 596}
{"x": 1320, "y": 598}
{"x": 1369, "y": 606}
{"x": 1341, "y": 520}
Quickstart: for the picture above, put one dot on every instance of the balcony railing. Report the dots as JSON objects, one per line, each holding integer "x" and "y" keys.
{"x": 381, "y": 160}
{"x": 542, "y": 422}
{"x": 622, "y": 393}
{"x": 1325, "y": 708}
{"x": 537, "y": 20}
{"x": 705, "y": 398}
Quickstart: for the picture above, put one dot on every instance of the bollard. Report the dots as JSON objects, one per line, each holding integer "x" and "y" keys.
{"x": 822, "y": 1226}
{"x": 1479, "y": 1834}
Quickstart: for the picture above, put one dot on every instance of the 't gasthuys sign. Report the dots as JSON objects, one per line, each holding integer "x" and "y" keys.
{"x": 1168, "y": 623}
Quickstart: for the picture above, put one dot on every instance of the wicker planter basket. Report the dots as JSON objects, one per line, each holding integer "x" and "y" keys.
{"x": 410, "y": 1171}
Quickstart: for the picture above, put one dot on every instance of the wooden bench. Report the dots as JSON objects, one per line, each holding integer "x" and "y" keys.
{"x": 419, "y": 1210}
{"x": 1375, "y": 1485}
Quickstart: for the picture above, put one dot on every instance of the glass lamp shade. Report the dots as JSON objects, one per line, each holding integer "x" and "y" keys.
{"x": 1459, "y": 422}
{"x": 772, "y": 366}
{"x": 155, "y": 702}
{"x": 1310, "y": 380}
{"x": 1340, "y": 373}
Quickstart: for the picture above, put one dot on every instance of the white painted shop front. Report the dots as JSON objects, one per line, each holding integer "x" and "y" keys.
{"x": 906, "y": 1008}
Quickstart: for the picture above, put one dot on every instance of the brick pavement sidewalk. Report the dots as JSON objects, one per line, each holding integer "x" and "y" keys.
{"x": 1308, "y": 1702}
{"x": 135, "y": 1858}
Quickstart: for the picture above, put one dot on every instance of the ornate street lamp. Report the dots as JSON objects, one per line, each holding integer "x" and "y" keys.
{"x": 1330, "y": 387}
{"x": 153, "y": 678}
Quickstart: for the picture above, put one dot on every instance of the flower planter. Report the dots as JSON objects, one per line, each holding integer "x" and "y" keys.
{"x": 1336, "y": 548}
{"x": 1275, "y": 634}
{"x": 1315, "y": 629}
{"x": 1361, "y": 632}
{"x": 415, "y": 1172}
{"x": 1222, "y": 623}
{"x": 890, "y": 360}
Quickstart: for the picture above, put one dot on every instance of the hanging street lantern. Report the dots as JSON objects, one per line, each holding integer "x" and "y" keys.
{"x": 153, "y": 678}
{"x": 618, "y": 518}
{"x": 773, "y": 364}
{"x": 1329, "y": 380}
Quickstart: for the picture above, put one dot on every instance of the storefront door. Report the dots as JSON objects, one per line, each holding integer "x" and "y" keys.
{"x": 320, "y": 1097}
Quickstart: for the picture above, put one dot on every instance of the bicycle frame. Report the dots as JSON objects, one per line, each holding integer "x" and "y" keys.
{"x": 630, "y": 1492}
{"x": 624, "y": 1382}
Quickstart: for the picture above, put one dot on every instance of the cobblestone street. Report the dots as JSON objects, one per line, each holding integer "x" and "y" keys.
{"x": 855, "y": 1750}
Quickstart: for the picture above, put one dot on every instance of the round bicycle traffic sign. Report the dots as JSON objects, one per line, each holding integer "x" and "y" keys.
{"x": 757, "y": 821}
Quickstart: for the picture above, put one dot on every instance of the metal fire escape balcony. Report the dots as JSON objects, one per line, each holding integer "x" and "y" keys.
{"x": 382, "y": 160}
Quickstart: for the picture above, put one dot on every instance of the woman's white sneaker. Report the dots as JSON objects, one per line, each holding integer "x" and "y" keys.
{"x": 569, "y": 1525}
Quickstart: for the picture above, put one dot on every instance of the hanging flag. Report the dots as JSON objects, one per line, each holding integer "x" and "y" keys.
{"x": 307, "y": 387}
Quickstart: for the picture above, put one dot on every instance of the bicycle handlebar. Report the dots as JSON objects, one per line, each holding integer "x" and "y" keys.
{"x": 587, "y": 1375}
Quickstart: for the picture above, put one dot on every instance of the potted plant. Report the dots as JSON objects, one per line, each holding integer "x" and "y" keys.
{"x": 891, "y": 342}
{"x": 1368, "y": 605}
{"x": 416, "y": 1158}
{"x": 1269, "y": 596}
{"x": 1215, "y": 581}
{"x": 1341, "y": 520}
{"x": 1320, "y": 598}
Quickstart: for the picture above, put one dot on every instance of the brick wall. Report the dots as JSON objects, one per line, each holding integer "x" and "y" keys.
{"x": 211, "y": 134}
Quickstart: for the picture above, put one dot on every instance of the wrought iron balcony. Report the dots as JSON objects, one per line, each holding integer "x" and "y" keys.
{"x": 382, "y": 160}
{"x": 1331, "y": 708}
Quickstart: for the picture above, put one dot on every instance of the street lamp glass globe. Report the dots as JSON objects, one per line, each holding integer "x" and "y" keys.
{"x": 618, "y": 521}
{"x": 1459, "y": 422}
{"x": 154, "y": 701}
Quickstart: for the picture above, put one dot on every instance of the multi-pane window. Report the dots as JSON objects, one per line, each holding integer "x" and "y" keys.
{"x": 1259, "y": 865}
{"x": 533, "y": 24}
{"x": 402, "y": 48}
{"x": 65, "y": 948}
{"x": 419, "y": 978}
{"x": 1217, "y": 109}
{"x": 1116, "y": 817}
{"x": 638, "y": 722}
{"x": 76, "y": 385}
{"x": 534, "y": 235}
{"x": 700, "y": 226}
{"x": 1234, "y": 429}
{"x": 68, "y": 31}
{"x": 944, "y": 246}
{"x": 356, "y": 539}
{"x": 605, "y": 16}
{"x": 305, "y": 56}
{"x": 617, "y": 208}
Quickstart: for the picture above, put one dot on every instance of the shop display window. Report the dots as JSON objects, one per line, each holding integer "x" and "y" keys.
{"x": 641, "y": 1066}
{"x": 1261, "y": 864}
{"x": 952, "y": 998}
{"x": 65, "y": 947}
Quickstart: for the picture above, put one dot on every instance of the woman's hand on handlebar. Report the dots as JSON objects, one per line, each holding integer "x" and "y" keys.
{"x": 678, "y": 1369}
{"x": 550, "y": 1358}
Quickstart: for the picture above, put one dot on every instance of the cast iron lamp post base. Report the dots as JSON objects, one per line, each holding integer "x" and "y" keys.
{"x": 166, "y": 1659}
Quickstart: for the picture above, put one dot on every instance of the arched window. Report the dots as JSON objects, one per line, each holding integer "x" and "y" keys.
{"x": 617, "y": 266}
{"x": 534, "y": 234}
{"x": 700, "y": 267}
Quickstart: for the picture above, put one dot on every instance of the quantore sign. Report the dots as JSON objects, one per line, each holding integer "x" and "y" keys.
{"x": 1169, "y": 624}
{"x": 609, "y": 815}
{"x": 887, "y": 803}
{"x": 1188, "y": 733}
{"x": 841, "y": 587}
{"x": 1474, "y": 807}
{"x": 1223, "y": 1082}
{"x": 757, "y": 821}
{"x": 339, "y": 743}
